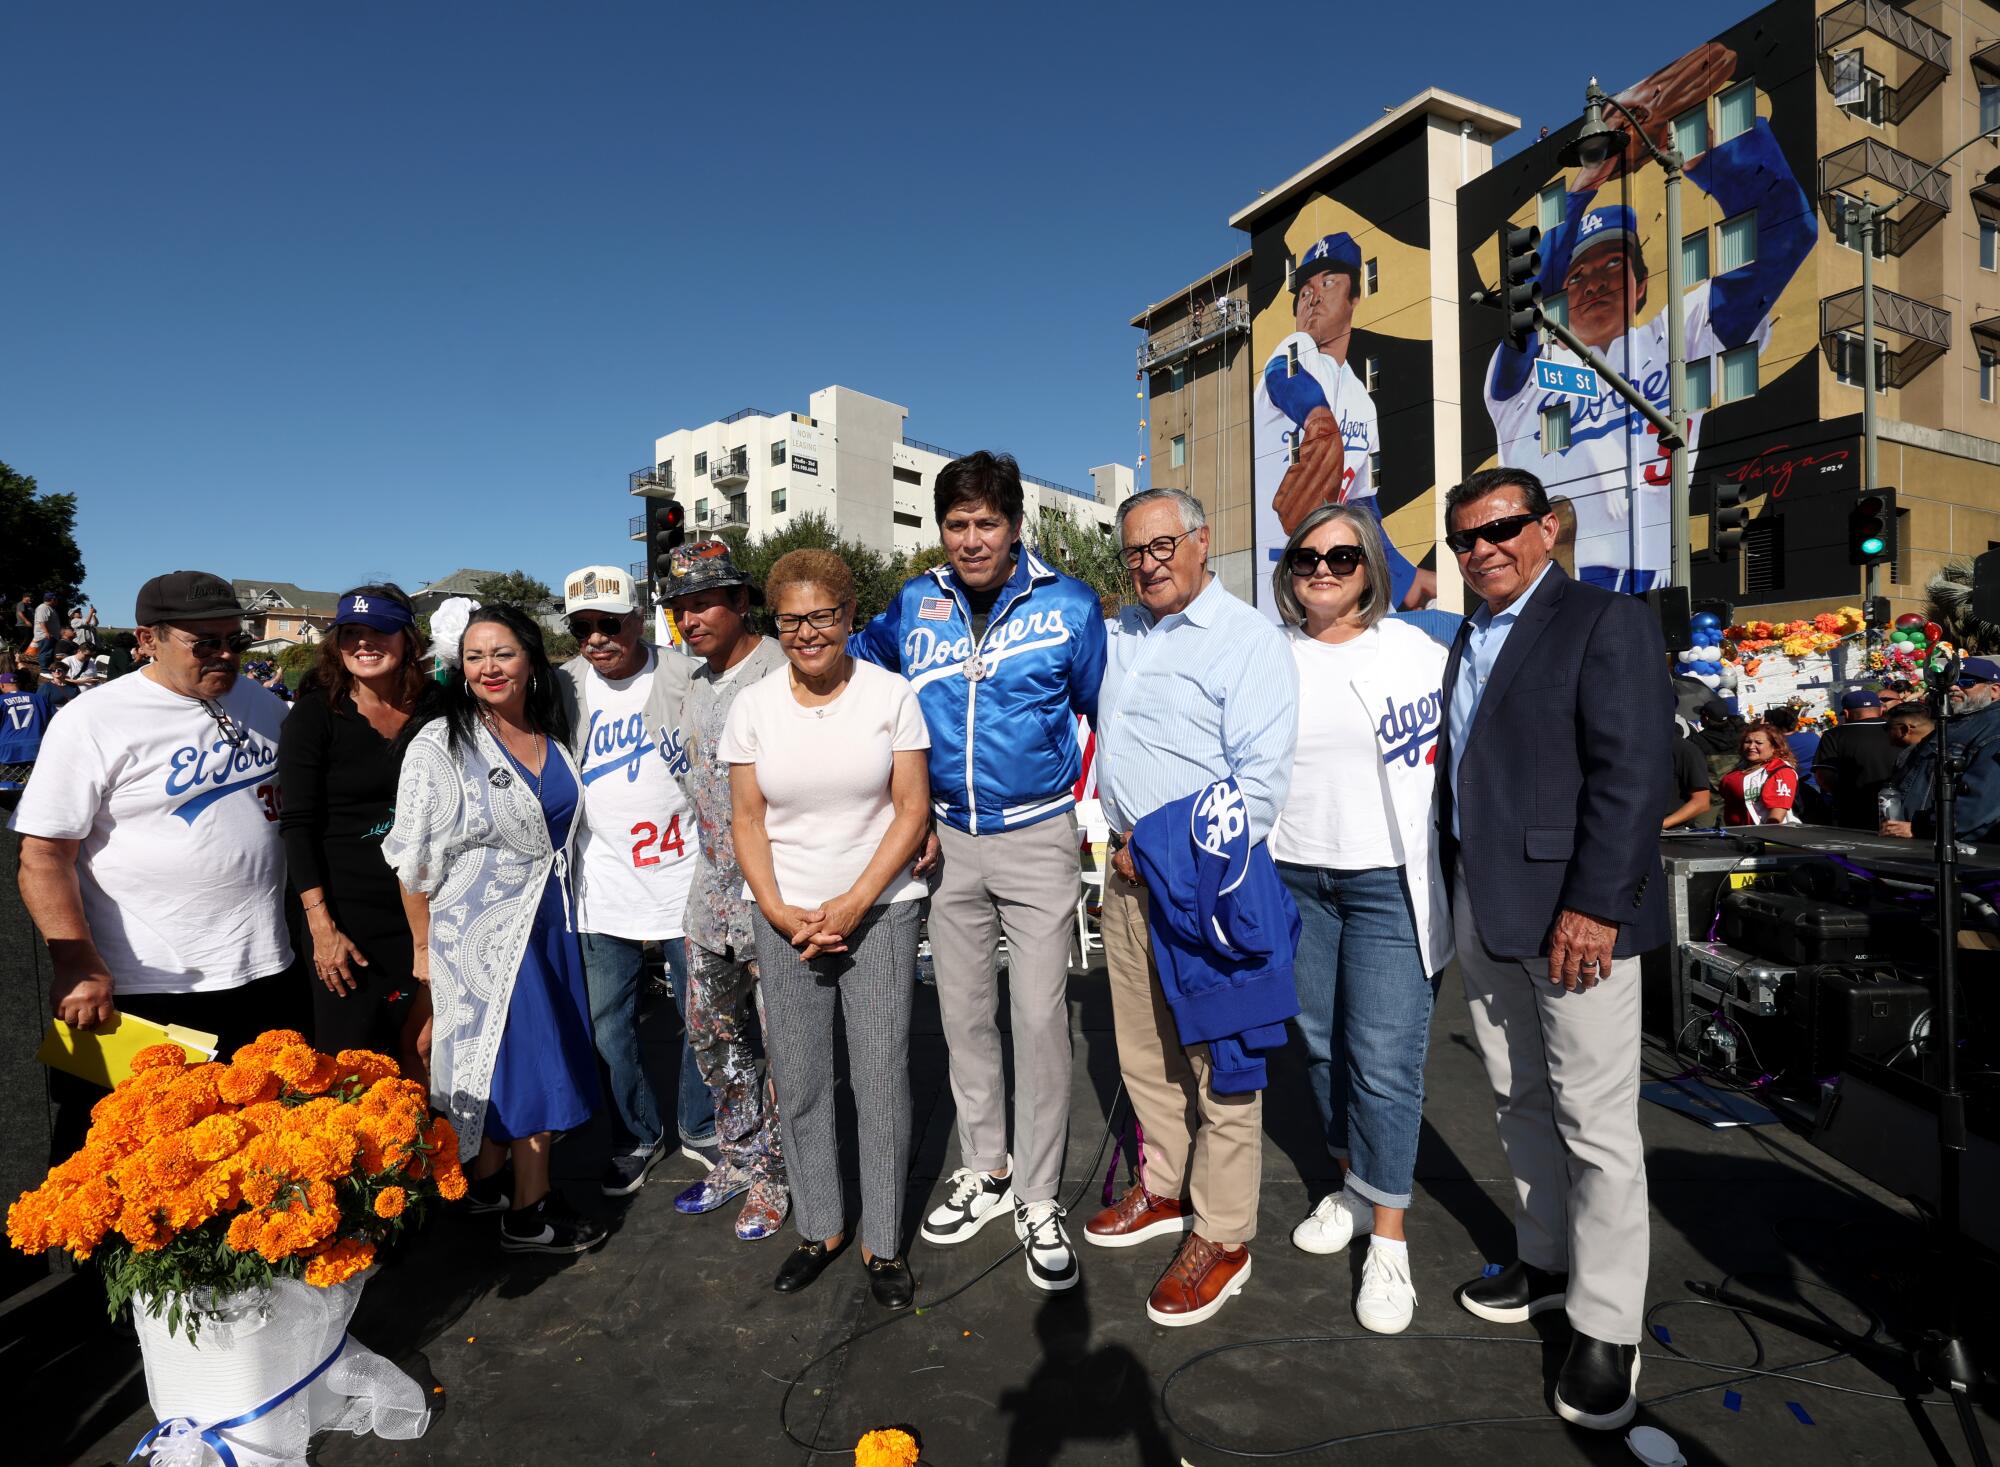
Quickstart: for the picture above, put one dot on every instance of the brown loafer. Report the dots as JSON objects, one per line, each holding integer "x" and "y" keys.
{"x": 1137, "y": 1216}
{"x": 1200, "y": 1281}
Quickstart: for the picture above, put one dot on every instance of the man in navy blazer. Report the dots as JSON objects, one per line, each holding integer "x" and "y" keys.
{"x": 1552, "y": 772}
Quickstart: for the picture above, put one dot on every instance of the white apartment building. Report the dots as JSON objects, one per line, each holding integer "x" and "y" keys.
{"x": 847, "y": 458}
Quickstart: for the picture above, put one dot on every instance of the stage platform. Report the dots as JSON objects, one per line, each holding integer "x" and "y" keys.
{"x": 668, "y": 1344}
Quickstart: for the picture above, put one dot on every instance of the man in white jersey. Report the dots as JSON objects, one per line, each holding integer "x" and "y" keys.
{"x": 1614, "y": 471}
{"x": 635, "y": 858}
{"x": 1315, "y": 431}
{"x": 150, "y": 855}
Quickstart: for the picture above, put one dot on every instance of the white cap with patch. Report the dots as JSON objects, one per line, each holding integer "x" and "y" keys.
{"x": 597, "y": 588}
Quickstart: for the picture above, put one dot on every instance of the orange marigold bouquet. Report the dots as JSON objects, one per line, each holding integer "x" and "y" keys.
{"x": 198, "y": 1181}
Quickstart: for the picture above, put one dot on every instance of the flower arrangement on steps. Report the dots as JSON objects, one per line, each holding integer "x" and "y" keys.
{"x": 239, "y": 1208}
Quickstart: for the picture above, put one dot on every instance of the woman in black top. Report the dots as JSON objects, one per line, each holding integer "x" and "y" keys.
{"x": 339, "y": 753}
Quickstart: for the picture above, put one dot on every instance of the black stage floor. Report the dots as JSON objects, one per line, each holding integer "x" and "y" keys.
{"x": 668, "y": 1344}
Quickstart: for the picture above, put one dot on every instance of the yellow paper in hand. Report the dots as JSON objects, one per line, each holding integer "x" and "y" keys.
{"x": 104, "y": 1056}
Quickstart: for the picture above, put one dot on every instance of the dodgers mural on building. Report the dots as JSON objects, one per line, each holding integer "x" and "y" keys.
{"x": 1612, "y": 470}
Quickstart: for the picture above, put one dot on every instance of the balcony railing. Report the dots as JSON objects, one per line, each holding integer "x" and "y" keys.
{"x": 734, "y": 469}
{"x": 640, "y": 572}
{"x": 653, "y": 479}
{"x": 1207, "y": 322}
{"x": 1928, "y": 48}
{"x": 1925, "y": 330}
{"x": 1847, "y": 171}
{"x": 738, "y": 417}
{"x": 636, "y": 530}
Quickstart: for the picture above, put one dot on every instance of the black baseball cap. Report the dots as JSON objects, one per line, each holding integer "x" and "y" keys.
{"x": 185, "y": 595}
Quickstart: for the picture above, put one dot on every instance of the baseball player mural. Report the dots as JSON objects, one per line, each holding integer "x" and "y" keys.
{"x": 1314, "y": 429}
{"x": 1614, "y": 471}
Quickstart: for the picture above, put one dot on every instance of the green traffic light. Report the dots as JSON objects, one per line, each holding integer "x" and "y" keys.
{"x": 1872, "y": 545}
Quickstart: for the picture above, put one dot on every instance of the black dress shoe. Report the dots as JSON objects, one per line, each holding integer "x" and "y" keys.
{"x": 1513, "y": 1295}
{"x": 804, "y": 1264}
{"x": 891, "y": 1282}
{"x": 1599, "y": 1384}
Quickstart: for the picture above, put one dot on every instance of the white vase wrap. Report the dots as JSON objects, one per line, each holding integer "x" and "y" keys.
{"x": 261, "y": 1349}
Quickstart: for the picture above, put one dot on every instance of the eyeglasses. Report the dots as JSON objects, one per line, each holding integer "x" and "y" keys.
{"x": 236, "y": 644}
{"x": 1496, "y": 532}
{"x": 581, "y": 627}
{"x": 1339, "y": 560}
{"x": 1161, "y": 550}
{"x": 824, "y": 618}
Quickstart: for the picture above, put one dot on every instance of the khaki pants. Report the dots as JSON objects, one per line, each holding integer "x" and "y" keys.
{"x": 1204, "y": 1147}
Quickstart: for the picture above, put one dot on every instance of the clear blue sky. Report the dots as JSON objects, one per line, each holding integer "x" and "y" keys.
{"x": 321, "y": 292}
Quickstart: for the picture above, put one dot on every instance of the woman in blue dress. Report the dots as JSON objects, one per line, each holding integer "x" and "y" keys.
{"x": 485, "y": 809}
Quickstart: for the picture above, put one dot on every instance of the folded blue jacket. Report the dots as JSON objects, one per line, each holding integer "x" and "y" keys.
{"x": 1224, "y": 931}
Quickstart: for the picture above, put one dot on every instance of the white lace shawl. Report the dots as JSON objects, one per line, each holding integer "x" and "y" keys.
{"x": 470, "y": 835}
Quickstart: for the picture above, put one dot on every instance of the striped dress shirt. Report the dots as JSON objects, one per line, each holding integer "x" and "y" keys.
{"x": 1199, "y": 695}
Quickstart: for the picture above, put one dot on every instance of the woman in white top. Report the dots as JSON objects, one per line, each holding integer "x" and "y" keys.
{"x": 830, "y": 800}
{"x": 1355, "y": 844}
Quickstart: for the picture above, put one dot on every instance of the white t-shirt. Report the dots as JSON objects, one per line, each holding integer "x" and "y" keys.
{"x": 824, "y": 774}
{"x": 181, "y": 868}
{"x": 638, "y": 839}
{"x": 1336, "y": 815}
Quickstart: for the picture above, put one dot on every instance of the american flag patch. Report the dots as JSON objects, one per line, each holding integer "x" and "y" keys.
{"x": 934, "y": 608}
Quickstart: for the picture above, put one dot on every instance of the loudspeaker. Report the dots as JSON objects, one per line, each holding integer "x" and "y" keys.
{"x": 1986, "y": 587}
{"x": 1884, "y": 1125}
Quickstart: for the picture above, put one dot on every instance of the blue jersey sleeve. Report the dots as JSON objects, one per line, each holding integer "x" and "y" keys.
{"x": 1086, "y": 661}
{"x": 1749, "y": 172}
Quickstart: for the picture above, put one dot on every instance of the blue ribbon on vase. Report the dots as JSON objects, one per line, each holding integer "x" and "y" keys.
{"x": 178, "y": 1429}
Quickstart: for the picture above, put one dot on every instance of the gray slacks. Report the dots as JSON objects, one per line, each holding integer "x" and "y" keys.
{"x": 873, "y": 983}
{"x": 1564, "y": 1067}
{"x": 1023, "y": 883}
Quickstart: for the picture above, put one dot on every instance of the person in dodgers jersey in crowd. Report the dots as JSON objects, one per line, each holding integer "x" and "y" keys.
{"x": 1594, "y": 260}
{"x": 25, "y": 711}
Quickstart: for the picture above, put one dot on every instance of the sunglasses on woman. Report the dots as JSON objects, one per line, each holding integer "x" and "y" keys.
{"x": 1339, "y": 560}
{"x": 1496, "y": 532}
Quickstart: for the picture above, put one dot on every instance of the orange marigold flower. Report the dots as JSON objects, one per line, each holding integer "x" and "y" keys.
{"x": 159, "y": 1056}
{"x": 218, "y": 1136}
{"x": 339, "y": 1263}
{"x": 303, "y": 1068}
{"x": 242, "y": 1084}
{"x": 276, "y": 1039}
{"x": 391, "y": 1201}
{"x": 451, "y": 1184}
{"x": 243, "y": 1231}
{"x": 366, "y": 1066}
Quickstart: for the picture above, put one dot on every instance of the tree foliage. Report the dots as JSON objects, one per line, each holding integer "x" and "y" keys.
{"x": 517, "y": 588}
{"x": 38, "y": 534}
{"x": 876, "y": 576}
{"x": 1086, "y": 552}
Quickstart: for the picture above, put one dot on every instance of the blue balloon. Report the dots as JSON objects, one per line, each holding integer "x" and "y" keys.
{"x": 1705, "y": 621}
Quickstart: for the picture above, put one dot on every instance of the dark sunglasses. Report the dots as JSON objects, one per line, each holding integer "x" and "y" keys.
{"x": 1339, "y": 560}
{"x": 1497, "y": 532}
{"x": 235, "y": 644}
{"x": 585, "y": 626}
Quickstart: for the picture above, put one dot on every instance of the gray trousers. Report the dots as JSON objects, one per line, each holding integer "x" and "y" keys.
{"x": 1024, "y": 883}
{"x": 873, "y": 983}
{"x": 1564, "y": 1066}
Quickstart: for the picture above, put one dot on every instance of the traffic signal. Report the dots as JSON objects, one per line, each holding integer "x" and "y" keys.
{"x": 1520, "y": 283}
{"x": 1726, "y": 518}
{"x": 1871, "y": 528}
{"x": 1876, "y": 613}
{"x": 666, "y": 527}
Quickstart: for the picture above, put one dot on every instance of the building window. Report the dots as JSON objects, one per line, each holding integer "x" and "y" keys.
{"x": 1556, "y": 307}
{"x": 1177, "y": 379}
{"x": 777, "y": 501}
{"x": 1691, "y": 133}
{"x": 1989, "y": 244}
{"x": 1371, "y": 372}
{"x": 905, "y": 476}
{"x": 1989, "y": 108}
{"x": 1857, "y": 91}
{"x": 1370, "y": 280}
{"x": 1694, "y": 258}
{"x": 1735, "y": 111}
{"x": 1764, "y": 554}
{"x": 1698, "y": 389}
{"x": 739, "y": 509}
{"x": 1739, "y": 373}
{"x": 1375, "y": 471}
{"x": 1736, "y": 243}
{"x": 909, "y": 521}
{"x": 1179, "y": 458}
{"x": 700, "y": 509}
{"x": 1555, "y": 428}
{"x": 1987, "y": 363}
{"x": 778, "y": 452}
{"x": 1848, "y": 360}
{"x": 1549, "y": 206}
{"x": 700, "y": 464}
{"x": 1847, "y": 225}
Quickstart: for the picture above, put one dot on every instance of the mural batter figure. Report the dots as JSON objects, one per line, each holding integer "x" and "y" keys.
{"x": 1310, "y": 396}
{"x": 1614, "y": 471}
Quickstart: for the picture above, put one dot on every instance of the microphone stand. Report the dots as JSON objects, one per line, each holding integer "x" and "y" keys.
{"x": 1941, "y": 1355}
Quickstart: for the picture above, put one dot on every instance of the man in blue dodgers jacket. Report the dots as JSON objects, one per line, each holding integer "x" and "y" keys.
{"x": 1552, "y": 772}
{"x": 1004, "y": 652}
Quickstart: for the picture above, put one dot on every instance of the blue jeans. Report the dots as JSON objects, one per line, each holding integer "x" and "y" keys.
{"x": 611, "y": 968}
{"x": 1364, "y": 1021}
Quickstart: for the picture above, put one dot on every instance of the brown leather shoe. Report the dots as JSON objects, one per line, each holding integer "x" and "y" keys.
{"x": 1203, "y": 1277}
{"x": 1137, "y": 1216}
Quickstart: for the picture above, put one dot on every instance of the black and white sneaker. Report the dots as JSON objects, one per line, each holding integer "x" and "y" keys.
{"x": 625, "y": 1174}
{"x": 1515, "y": 1294}
{"x": 972, "y": 1200}
{"x": 489, "y": 1194}
{"x": 1045, "y": 1241}
{"x": 705, "y": 1154}
{"x": 549, "y": 1226}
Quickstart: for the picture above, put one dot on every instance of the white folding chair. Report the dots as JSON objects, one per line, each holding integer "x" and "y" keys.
{"x": 1094, "y": 852}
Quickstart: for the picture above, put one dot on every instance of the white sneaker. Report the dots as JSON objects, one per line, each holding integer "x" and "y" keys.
{"x": 1333, "y": 1224}
{"x": 1388, "y": 1299}
{"x": 972, "y": 1200}
{"x": 1051, "y": 1259}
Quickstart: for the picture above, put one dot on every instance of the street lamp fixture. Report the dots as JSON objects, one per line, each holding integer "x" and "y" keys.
{"x": 1599, "y": 139}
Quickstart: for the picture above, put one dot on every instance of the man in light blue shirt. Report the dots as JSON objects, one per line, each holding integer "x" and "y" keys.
{"x": 1197, "y": 687}
{"x": 1488, "y": 634}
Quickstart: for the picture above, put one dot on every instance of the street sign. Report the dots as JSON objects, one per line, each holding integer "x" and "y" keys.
{"x": 1566, "y": 379}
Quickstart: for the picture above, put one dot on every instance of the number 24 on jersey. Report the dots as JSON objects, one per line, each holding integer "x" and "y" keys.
{"x": 649, "y": 841}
